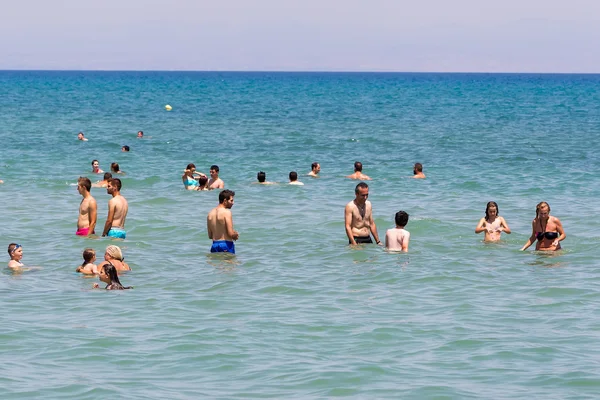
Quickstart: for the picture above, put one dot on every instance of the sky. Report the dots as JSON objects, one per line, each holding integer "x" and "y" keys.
{"x": 307, "y": 35}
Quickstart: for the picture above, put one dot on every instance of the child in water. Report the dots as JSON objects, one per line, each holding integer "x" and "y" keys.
{"x": 108, "y": 275}
{"x": 88, "y": 267}
{"x": 15, "y": 251}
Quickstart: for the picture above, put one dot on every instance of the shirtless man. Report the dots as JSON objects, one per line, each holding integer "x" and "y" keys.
{"x": 88, "y": 209}
{"x": 117, "y": 211}
{"x": 219, "y": 224}
{"x": 397, "y": 239}
{"x": 315, "y": 169}
{"x": 418, "y": 171}
{"x": 358, "y": 173}
{"x": 262, "y": 178}
{"x": 103, "y": 183}
{"x": 294, "y": 179}
{"x": 358, "y": 217}
{"x": 215, "y": 182}
{"x": 80, "y": 136}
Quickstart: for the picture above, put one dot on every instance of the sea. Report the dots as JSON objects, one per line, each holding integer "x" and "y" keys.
{"x": 297, "y": 313}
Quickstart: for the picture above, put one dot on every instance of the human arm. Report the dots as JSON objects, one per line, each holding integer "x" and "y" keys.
{"x": 480, "y": 226}
{"x": 208, "y": 228}
{"x": 373, "y": 228}
{"x": 504, "y": 226}
{"x": 531, "y": 239}
{"x": 112, "y": 205}
{"x": 387, "y": 239}
{"x": 560, "y": 230}
{"x": 229, "y": 224}
{"x": 348, "y": 224}
{"x": 92, "y": 215}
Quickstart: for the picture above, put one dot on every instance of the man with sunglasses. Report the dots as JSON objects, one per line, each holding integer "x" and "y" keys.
{"x": 358, "y": 217}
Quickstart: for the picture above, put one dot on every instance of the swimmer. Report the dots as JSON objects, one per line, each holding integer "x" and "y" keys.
{"x": 202, "y": 183}
{"x": 88, "y": 267}
{"x": 492, "y": 224}
{"x": 140, "y": 134}
{"x": 114, "y": 256}
{"x": 261, "y": 176}
{"x": 358, "y": 218}
{"x": 418, "y": 171}
{"x": 315, "y": 169}
{"x": 358, "y": 172}
{"x": 115, "y": 169}
{"x": 108, "y": 274}
{"x": 117, "y": 211}
{"x": 546, "y": 229}
{"x": 80, "y": 136}
{"x": 96, "y": 167}
{"x": 15, "y": 251}
{"x": 215, "y": 182}
{"x": 125, "y": 149}
{"x": 104, "y": 182}
{"x": 88, "y": 209}
{"x": 219, "y": 223}
{"x": 397, "y": 239}
{"x": 294, "y": 179}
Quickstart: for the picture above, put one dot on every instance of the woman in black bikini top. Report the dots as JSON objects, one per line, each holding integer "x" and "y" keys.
{"x": 546, "y": 229}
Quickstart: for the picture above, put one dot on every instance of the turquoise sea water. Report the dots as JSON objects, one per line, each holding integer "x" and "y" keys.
{"x": 297, "y": 313}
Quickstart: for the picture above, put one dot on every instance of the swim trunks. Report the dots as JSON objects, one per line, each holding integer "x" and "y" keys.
{"x": 83, "y": 231}
{"x": 222, "y": 246}
{"x": 118, "y": 233}
{"x": 361, "y": 239}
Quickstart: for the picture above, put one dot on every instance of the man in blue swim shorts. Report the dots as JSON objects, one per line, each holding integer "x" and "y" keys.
{"x": 219, "y": 224}
{"x": 117, "y": 211}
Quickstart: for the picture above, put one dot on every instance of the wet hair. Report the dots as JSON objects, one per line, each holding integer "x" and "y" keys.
{"x": 115, "y": 167}
{"x": 80, "y": 133}
{"x": 88, "y": 255}
{"x": 114, "y": 252}
{"x": 116, "y": 182}
{"x": 190, "y": 166}
{"x": 225, "y": 195}
{"x": 487, "y": 208}
{"x": 214, "y": 168}
{"x": 126, "y": 148}
{"x": 93, "y": 161}
{"x": 107, "y": 176}
{"x": 115, "y": 283}
{"x": 358, "y": 166}
{"x": 11, "y": 248}
{"x": 541, "y": 205}
{"x": 361, "y": 185}
{"x": 261, "y": 176}
{"x": 142, "y": 132}
{"x": 293, "y": 176}
{"x": 85, "y": 182}
{"x": 418, "y": 168}
{"x": 401, "y": 218}
{"x": 203, "y": 180}
{"x": 314, "y": 165}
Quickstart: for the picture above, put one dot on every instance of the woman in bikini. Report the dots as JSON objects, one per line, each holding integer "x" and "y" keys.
{"x": 492, "y": 224}
{"x": 546, "y": 229}
{"x": 114, "y": 256}
{"x": 190, "y": 177}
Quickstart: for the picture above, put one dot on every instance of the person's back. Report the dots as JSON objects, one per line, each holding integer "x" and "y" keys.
{"x": 396, "y": 239}
{"x": 217, "y": 222}
{"x": 294, "y": 179}
{"x": 358, "y": 172}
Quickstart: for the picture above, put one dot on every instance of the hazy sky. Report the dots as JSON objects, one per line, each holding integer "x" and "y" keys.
{"x": 307, "y": 35}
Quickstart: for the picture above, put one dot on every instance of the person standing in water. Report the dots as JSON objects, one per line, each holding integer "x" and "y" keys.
{"x": 117, "y": 211}
{"x": 397, "y": 239}
{"x": 492, "y": 224}
{"x": 546, "y": 229}
{"x": 358, "y": 218}
{"x": 219, "y": 224}
{"x": 88, "y": 209}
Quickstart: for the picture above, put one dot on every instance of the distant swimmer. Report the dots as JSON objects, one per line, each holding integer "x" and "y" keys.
{"x": 1, "y": 181}
{"x": 492, "y": 224}
{"x": 294, "y": 179}
{"x": 96, "y": 167}
{"x": 140, "y": 134}
{"x": 108, "y": 274}
{"x": 397, "y": 239}
{"x": 125, "y": 149}
{"x": 215, "y": 182}
{"x": 358, "y": 218}
{"x": 546, "y": 229}
{"x": 88, "y": 267}
{"x": 358, "y": 173}
{"x": 219, "y": 224}
{"x": 81, "y": 136}
{"x": 114, "y": 256}
{"x": 418, "y": 171}
{"x": 115, "y": 169}
{"x": 315, "y": 169}
{"x": 15, "y": 251}
{"x": 261, "y": 177}
{"x": 104, "y": 182}
{"x": 88, "y": 209}
{"x": 117, "y": 211}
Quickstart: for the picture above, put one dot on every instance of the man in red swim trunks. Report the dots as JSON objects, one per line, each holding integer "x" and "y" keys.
{"x": 88, "y": 209}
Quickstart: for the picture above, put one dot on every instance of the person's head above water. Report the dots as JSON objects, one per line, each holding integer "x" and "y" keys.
{"x": 417, "y": 168}
{"x": 226, "y": 197}
{"x": 315, "y": 167}
{"x": 113, "y": 253}
{"x": 115, "y": 167}
{"x": 357, "y": 166}
{"x": 84, "y": 182}
{"x": 125, "y": 148}
{"x": 107, "y": 176}
{"x": 140, "y": 134}
{"x": 493, "y": 206}
{"x": 542, "y": 210}
{"x": 80, "y": 136}
{"x": 203, "y": 180}
{"x": 12, "y": 248}
{"x": 293, "y": 176}
{"x": 261, "y": 176}
{"x": 401, "y": 218}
